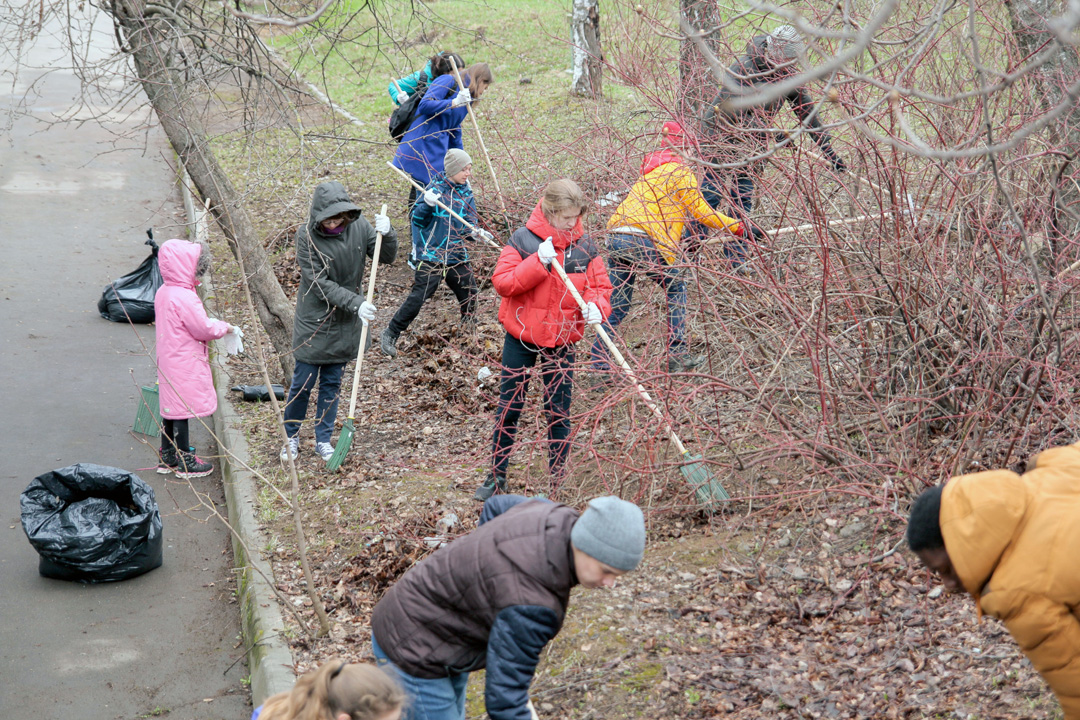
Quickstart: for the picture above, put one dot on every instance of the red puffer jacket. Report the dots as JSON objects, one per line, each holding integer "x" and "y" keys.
{"x": 536, "y": 307}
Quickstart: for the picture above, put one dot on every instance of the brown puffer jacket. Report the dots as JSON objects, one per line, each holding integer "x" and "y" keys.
{"x": 436, "y": 620}
{"x": 1015, "y": 543}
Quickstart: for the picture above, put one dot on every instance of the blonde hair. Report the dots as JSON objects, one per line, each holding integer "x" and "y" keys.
{"x": 560, "y": 196}
{"x": 361, "y": 691}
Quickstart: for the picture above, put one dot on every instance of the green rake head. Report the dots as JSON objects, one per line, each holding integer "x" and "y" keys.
{"x": 707, "y": 489}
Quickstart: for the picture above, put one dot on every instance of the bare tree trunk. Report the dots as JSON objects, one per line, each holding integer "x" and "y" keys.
{"x": 697, "y": 81}
{"x": 587, "y": 55}
{"x": 156, "y": 56}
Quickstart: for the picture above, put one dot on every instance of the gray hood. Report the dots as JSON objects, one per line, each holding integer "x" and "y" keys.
{"x": 330, "y": 199}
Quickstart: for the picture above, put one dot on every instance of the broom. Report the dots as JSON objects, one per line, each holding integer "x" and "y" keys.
{"x": 349, "y": 428}
{"x": 148, "y": 415}
{"x": 707, "y": 489}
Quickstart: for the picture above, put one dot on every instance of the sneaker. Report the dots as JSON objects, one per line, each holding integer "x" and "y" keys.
{"x": 191, "y": 466}
{"x": 291, "y": 448}
{"x": 167, "y": 461}
{"x": 491, "y": 485}
{"x": 325, "y": 450}
{"x": 388, "y": 342}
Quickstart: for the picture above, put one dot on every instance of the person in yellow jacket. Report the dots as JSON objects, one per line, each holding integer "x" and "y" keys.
{"x": 1013, "y": 543}
{"x": 644, "y": 235}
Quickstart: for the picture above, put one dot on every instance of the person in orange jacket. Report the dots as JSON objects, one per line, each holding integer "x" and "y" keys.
{"x": 644, "y": 237}
{"x": 1011, "y": 541}
{"x": 543, "y": 321}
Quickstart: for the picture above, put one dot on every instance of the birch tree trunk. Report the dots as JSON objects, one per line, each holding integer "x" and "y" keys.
{"x": 158, "y": 60}
{"x": 587, "y": 55}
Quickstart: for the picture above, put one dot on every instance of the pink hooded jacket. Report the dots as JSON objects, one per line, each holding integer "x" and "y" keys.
{"x": 185, "y": 386}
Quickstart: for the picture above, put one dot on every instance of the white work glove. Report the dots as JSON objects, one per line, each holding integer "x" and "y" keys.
{"x": 431, "y": 197}
{"x": 366, "y": 311}
{"x": 464, "y": 97}
{"x": 482, "y": 235}
{"x": 402, "y": 96}
{"x": 546, "y": 252}
{"x": 382, "y": 224}
{"x": 234, "y": 340}
{"x": 592, "y": 314}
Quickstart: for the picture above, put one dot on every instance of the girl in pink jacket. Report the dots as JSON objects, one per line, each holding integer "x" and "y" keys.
{"x": 185, "y": 386}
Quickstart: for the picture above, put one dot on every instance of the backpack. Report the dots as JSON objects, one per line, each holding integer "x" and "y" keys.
{"x": 403, "y": 114}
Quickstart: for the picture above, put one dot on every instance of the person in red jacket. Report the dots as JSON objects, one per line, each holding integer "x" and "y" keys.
{"x": 543, "y": 321}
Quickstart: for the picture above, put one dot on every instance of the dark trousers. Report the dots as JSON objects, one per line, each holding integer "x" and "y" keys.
{"x": 426, "y": 280}
{"x": 174, "y": 434}
{"x": 740, "y": 197}
{"x": 305, "y": 376}
{"x": 628, "y": 255}
{"x": 556, "y": 370}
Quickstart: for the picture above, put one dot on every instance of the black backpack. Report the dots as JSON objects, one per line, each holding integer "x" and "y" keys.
{"x": 403, "y": 114}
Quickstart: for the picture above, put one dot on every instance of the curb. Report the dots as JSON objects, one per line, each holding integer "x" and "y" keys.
{"x": 270, "y": 662}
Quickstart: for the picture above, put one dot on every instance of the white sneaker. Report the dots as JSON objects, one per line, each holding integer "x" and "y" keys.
{"x": 292, "y": 447}
{"x": 325, "y": 450}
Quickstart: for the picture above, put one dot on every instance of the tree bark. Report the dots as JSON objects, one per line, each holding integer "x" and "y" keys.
{"x": 697, "y": 81}
{"x": 154, "y": 52}
{"x": 587, "y": 55}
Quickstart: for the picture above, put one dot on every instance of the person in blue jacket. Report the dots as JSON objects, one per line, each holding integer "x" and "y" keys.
{"x": 495, "y": 597}
{"x": 439, "y": 247}
{"x": 436, "y": 127}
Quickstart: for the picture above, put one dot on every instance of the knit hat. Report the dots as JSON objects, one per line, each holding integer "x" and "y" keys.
{"x": 611, "y": 531}
{"x": 672, "y": 134}
{"x": 784, "y": 45}
{"x": 456, "y": 161}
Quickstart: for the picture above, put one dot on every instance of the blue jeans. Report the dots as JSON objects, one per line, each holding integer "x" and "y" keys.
{"x": 628, "y": 255}
{"x": 439, "y": 699}
{"x": 304, "y": 378}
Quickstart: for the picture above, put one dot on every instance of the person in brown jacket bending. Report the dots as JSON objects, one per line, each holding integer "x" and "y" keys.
{"x": 495, "y": 597}
{"x": 1013, "y": 542}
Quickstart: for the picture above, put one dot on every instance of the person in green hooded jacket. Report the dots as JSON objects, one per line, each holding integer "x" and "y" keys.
{"x": 332, "y": 249}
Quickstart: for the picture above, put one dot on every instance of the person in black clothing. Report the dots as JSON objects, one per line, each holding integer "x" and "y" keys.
{"x": 729, "y": 134}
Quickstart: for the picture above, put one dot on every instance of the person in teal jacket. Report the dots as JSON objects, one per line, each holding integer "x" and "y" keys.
{"x": 402, "y": 88}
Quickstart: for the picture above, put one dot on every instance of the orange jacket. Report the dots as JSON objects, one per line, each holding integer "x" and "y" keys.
{"x": 536, "y": 306}
{"x": 1015, "y": 543}
{"x": 661, "y": 202}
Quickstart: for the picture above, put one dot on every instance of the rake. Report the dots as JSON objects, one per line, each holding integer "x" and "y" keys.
{"x": 707, "y": 489}
{"x": 349, "y": 428}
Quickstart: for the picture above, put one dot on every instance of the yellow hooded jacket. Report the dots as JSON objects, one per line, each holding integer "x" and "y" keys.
{"x": 663, "y": 199}
{"x": 1014, "y": 541}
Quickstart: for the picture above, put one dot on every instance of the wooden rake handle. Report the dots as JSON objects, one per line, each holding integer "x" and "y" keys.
{"x": 440, "y": 203}
{"x": 619, "y": 358}
{"x": 480, "y": 139}
{"x": 364, "y": 330}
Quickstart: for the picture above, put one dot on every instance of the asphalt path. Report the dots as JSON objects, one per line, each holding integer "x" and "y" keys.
{"x": 75, "y": 200}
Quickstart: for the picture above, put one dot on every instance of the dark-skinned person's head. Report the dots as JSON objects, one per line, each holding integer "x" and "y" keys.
{"x": 608, "y": 540}
{"x": 926, "y": 541}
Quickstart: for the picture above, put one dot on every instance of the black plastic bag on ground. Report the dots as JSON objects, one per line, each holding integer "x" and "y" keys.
{"x": 92, "y": 523}
{"x": 259, "y": 393}
{"x": 131, "y": 298}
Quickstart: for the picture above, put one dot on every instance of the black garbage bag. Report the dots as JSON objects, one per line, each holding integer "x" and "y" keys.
{"x": 92, "y": 523}
{"x": 131, "y": 298}
{"x": 259, "y": 393}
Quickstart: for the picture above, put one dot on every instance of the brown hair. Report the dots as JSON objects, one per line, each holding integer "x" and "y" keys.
{"x": 480, "y": 72}
{"x": 361, "y": 691}
{"x": 440, "y": 63}
{"x": 561, "y": 195}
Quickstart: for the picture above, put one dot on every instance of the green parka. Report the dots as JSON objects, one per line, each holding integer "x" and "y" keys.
{"x": 326, "y": 329}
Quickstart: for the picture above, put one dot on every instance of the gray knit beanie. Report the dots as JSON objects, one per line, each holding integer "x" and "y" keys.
{"x": 784, "y": 45}
{"x": 455, "y": 161}
{"x": 611, "y": 531}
